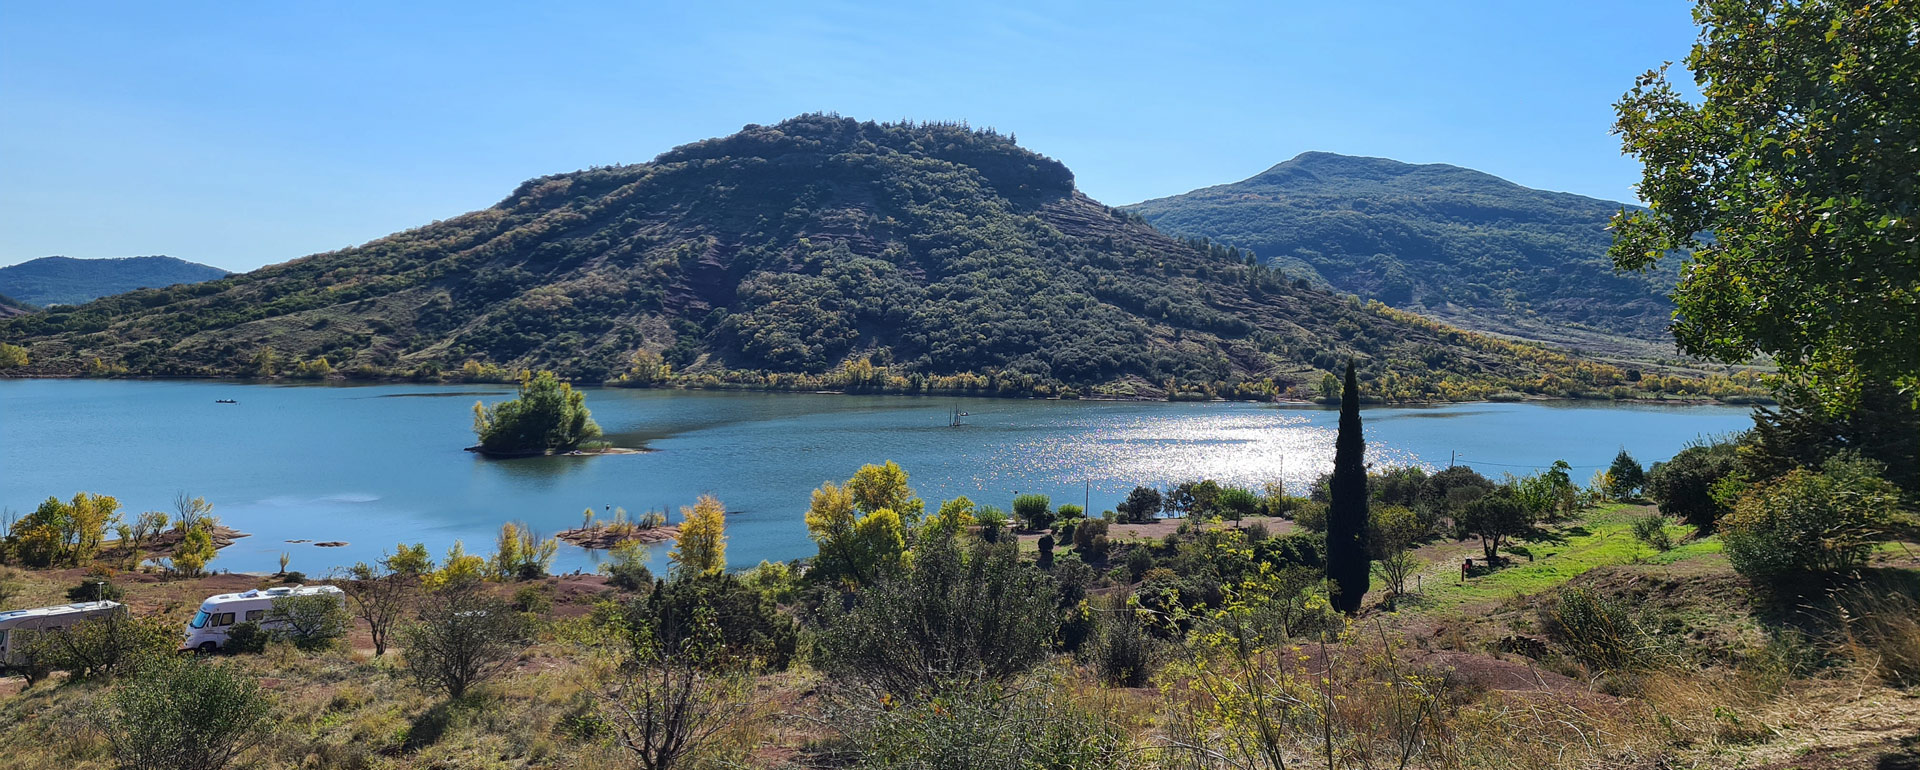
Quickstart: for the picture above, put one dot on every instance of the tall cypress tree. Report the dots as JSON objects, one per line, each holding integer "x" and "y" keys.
{"x": 1347, "y": 565}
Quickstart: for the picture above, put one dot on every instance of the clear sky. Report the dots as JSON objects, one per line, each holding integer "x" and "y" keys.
{"x": 243, "y": 134}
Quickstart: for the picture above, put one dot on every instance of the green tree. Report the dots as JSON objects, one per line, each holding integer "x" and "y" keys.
{"x": 1347, "y": 562}
{"x": 884, "y": 487}
{"x": 548, "y": 416}
{"x": 102, "y": 646}
{"x": 1496, "y": 518}
{"x": 701, "y": 548}
{"x": 858, "y": 541}
{"x": 1792, "y": 183}
{"x": 462, "y": 638}
{"x": 310, "y": 621}
{"x": 1624, "y": 477}
{"x": 1811, "y": 522}
{"x": 183, "y": 712}
{"x": 382, "y": 592}
{"x": 1141, "y": 506}
{"x": 1684, "y": 485}
{"x": 64, "y": 533}
{"x": 1034, "y": 511}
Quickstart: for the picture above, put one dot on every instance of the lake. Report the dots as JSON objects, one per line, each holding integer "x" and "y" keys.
{"x": 375, "y": 465}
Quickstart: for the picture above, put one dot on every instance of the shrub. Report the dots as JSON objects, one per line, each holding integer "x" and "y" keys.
{"x": 1652, "y": 530}
{"x": 1684, "y": 485}
{"x": 1597, "y": 630}
{"x": 94, "y": 589}
{"x": 535, "y": 599}
{"x": 626, "y": 567}
{"x": 311, "y": 622}
{"x": 1808, "y": 522}
{"x": 101, "y": 646}
{"x": 1139, "y": 560}
{"x": 462, "y": 638}
{"x": 1069, "y": 512}
{"x": 959, "y": 612}
{"x": 745, "y": 619}
{"x": 1123, "y": 651}
{"x": 1084, "y": 534}
{"x": 992, "y": 521}
{"x": 1033, "y": 511}
{"x": 980, "y": 725}
{"x": 183, "y": 713}
{"x": 246, "y": 637}
{"x": 1236, "y": 503}
{"x": 1311, "y": 516}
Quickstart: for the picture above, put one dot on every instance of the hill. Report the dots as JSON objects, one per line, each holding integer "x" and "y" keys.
{"x": 1448, "y": 241}
{"x": 822, "y": 251}
{"x": 12, "y": 307}
{"x": 69, "y": 281}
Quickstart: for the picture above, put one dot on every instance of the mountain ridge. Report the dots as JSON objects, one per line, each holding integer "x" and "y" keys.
{"x": 820, "y": 251}
{"x": 61, "y": 280}
{"x": 1431, "y": 237}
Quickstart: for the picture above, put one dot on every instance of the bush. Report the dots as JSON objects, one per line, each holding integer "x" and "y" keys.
{"x": 1069, "y": 512}
{"x": 183, "y": 713}
{"x": 1595, "y": 629}
{"x": 992, "y": 521}
{"x": 1684, "y": 485}
{"x": 534, "y": 599}
{"x": 959, "y": 612}
{"x": 246, "y": 637}
{"x": 311, "y": 622}
{"x": 1311, "y": 516}
{"x": 980, "y": 725}
{"x": 745, "y": 619}
{"x": 1139, "y": 560}
{"x": 1141, "y": 506}
{"x": 1652, "y": 530}
{"x": 626, "y": 567}
{"x": 1033, "y": 511}
{"x": 462, "y": 638}
{"x": 101, "y": 646}
{"x": 1810, "y": 523}
{"x": 1123, "y": 651}
{"x": 95, "y": 589}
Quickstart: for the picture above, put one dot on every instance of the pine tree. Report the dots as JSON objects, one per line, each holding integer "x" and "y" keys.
{"x": 1347, "y": 564}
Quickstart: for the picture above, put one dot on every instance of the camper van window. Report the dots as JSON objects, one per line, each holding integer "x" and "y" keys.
{"x": 254, "y": 615}
{"x": 199, "y": 620}
{"x": 223, "y": 619}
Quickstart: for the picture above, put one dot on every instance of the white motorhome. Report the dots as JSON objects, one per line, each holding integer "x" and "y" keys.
{"x": 45, "y": 619}
{"x": 208, "y": 629}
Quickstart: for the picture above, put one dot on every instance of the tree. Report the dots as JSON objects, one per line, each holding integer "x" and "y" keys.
{"x": 1624, "y": 477}
{"x": 183, "y": 712}
{"x": 1347, "y": 563}
{"x": 857, "y": 541}
{"x": 12, "y": 356}
{"x": 381, "y": 593}
{"x": 1684, "y": 485}
{"x": 1141, "y": 506}
{"x": 101, "y": 646}
{"x": 1034, "y": 511}
{"x": 461, "y": 638}
{"x": 675, "y": 700}
{"x": 701, "y": 548}
{"x": 522, "y": 554}
{"x": 548, "y": 416}
{"x": 1392, "y": 530}
{"x": 956, "y": 613}
{"x": 1811, "y": 522}
{"x": 194, "y": 550}
{"x": 193, "y": 512}
{"x": 884, "y": 488}
{"x": 1792, "y": 182}
{"x": 64, "y": 533}
{"x": 310, "y": 621}
{"x": 1495, "y": 518}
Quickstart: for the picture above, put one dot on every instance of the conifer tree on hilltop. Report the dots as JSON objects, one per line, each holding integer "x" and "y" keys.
{"x": 1347, "y": 564}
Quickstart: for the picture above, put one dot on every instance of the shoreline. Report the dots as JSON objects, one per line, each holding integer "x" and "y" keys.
{"x": 341, "y": 381}
{"x": 606, "y": 537}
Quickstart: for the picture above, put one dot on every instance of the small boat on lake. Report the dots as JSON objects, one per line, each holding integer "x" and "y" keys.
{"x": 225, "y": 401}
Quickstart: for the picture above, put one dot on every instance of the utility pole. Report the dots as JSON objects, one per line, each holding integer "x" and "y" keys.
{"x": 1451, "y": 456}
{"x": 1086, "y": 497}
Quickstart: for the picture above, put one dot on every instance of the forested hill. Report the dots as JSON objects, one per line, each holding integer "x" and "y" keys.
{"x": 10, "y": 306}
{"x": 821, "y": 250}
{"x": 70, "y": 281}
{"x": 1430, "y": 237}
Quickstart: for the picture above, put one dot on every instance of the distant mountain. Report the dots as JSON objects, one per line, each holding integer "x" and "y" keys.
{"x": 69, "y": 281}
{"x": 1453, "y": 241}
{"x": 819, "y": 250}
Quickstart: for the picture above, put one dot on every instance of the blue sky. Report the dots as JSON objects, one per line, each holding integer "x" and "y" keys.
{"x": 247, "y": 134}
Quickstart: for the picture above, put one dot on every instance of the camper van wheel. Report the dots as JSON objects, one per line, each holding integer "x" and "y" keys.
{"x": 208, "y": 648}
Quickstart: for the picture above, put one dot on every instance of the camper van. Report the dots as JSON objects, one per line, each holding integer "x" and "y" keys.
{"x": 208, "y": 629}
{"x": 45, "y": 619}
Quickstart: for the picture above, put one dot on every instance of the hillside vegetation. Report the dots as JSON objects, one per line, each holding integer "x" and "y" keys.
{"x": 1431, "y": 237}
{"x": 820, "y": 251}
{"x": 69, "y": 281}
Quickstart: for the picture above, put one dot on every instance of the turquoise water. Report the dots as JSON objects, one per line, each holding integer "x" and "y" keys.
{"x": 376, "y": 465}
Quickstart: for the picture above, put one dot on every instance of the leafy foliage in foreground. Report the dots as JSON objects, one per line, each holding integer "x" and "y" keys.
{"x": 821, "y": 251}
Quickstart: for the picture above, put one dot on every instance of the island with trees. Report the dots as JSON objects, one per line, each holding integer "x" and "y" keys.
{"x": 548, "y": 417}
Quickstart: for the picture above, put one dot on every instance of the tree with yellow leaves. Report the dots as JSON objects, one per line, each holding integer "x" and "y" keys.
{"x": 861, "y": 527}
{"x": 701, "y": 548}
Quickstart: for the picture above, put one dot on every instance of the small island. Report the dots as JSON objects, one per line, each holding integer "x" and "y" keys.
{"x": 547, "y": 418}
{"x": 650, "y": 528}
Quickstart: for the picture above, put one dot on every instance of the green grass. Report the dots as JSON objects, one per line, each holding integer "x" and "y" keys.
{"x": 1604, "y": 538}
